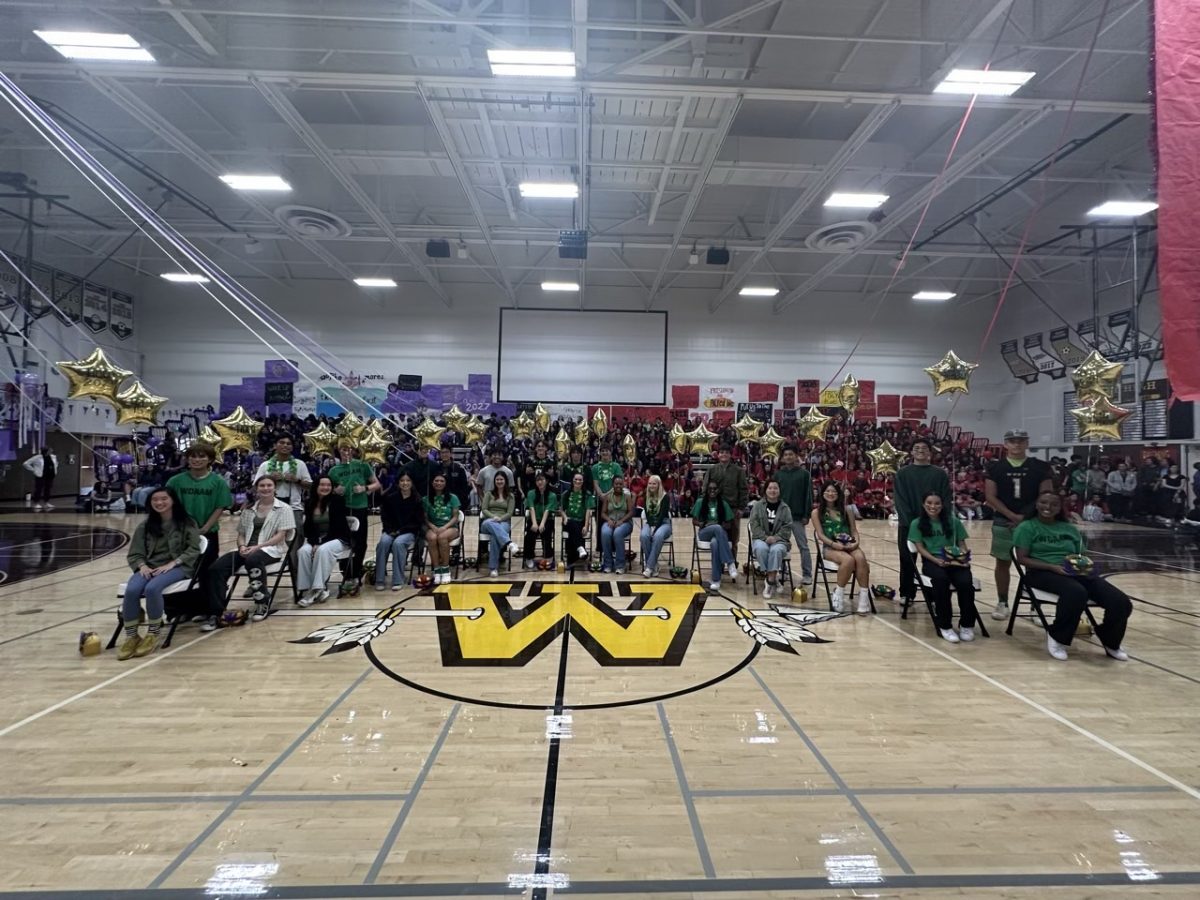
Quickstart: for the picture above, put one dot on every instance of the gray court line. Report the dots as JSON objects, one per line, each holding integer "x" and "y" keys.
{"x": 688, "y": 798}
{"x": 923, "y": 791}
{"x": 175, "y": 799}
{"x": 245, "y": 795}
{"x": 394, "y": 831}
{"x": 58, "y": 624}
{"x": 837, "y": 779}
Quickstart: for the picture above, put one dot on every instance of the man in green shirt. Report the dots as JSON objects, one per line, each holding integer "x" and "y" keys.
{"x": 204, "y": 494}
{"x": 576, "y": 465}
{"x": 734, "y": 489}
{"x": 795, "y": 489}
{"x": 913, "y": 483}
{"x": 605, "y": 471}
{"x": 353, "y": 480}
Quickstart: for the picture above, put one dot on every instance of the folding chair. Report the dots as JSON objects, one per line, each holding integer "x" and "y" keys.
{"x": 822, "y": 567}
{"x": 485, "y": 539}
{"x": 668, "y": 546}
{"x": 279, "y": 568}
{"x": 753, "y": 573}
{"x": 343, "y": 555}
{"x": 455, "y": 548}
{"x": 173, "y": 614}
{"x": 1037, "y": 599}
{"x": 588, "y": 544}
{"x": 923, "y": 582}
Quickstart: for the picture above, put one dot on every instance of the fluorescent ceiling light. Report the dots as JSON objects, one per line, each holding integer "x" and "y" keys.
{"x": 375, "y": 282}
{"x": 96, "y": 45}
{"x": 533, "y": 63}
{"x": 534, "y": 71}
{"x": 842, "y": 200}
{"x": 934, "y": 295}
{"x": 758, "y": 292}
{"x": 256, "y": 182}
{"x": 564, "y": 190}
{"x": 992, "y": 82}
{"x": 559, "y": 286}
{"x": 185, "y": 278}
{"x": 123, "y": 54}
{"x": 1129, "y": 208}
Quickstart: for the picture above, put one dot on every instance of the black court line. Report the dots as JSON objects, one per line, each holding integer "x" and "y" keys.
{"x": 541, "y": 868}
{"x": 97, "y": 612}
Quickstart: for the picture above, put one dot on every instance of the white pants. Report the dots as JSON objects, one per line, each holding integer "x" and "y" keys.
{"x": 313, "y": 571}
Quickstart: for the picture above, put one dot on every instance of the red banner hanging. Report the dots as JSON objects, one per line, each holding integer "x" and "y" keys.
{"x": 685, "y": 395}
{"x": 761, "y": 392}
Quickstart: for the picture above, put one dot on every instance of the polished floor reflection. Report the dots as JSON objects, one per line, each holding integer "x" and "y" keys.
{"x": 615, "y": 737}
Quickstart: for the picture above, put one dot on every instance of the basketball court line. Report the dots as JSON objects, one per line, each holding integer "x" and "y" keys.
{"x": 1057, "y": 717}
{"x": 107, "y": 609}
{"x": 173, "y": 799}
{"x": 685, "y": 791}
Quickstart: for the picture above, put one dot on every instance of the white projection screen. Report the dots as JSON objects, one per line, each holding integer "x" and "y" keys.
{"x": 582, "y": 356}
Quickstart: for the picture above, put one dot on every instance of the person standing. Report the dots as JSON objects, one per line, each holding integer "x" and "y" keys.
{"x": 1122, "y": 485}
{"x": 733, "y": 487}
{"x": 291, "y": 481}
{"x": 43, "y": 466}
{"x": 458, "y": 482}
{"x": 1011, "y": 489}
{"x": 913, "y": 484}
{"x": 796, "y": 490}
{"x": 604, "y": 472}
{"x": 575, "y": 466}
{"x": 354, "y": 480}
{"x": 484, "y": 477}
{"x": 205, "y": 497}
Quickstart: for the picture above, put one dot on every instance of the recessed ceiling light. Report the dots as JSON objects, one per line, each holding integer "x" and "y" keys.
{"x": 842, "y": 200}
{"x": 563, "y": 190}
{"x": 560, "y": 286}
{"x": 256, "y": 182}
{"x": 986, "y": 82}
{"x": 185, "y": 278}
{"x": 375, "y": 282}
{"x": 1125, "y": 208}
{"x": 934, "y": 295}
{"x": 533, "y": 63}
{"x": 758, "y": 292}
{"x": 96, "y": 45}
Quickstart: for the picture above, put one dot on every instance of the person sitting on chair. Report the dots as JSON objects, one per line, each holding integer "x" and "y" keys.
{"x": 402, "y": 517}
{"x": 540, "y": 505}
{"x": 770, "y": 535}
{"x": 441, "y": 527}
{"x": 710, "y": 515}
{"x": 495, "y": 520}
{"x": 165, "y": 549}
{"x": 1043, "y": 545}
{"x": 941, "y": 542}
{"x": 656, "y": 526}
{"x": 326, "y": 534}
{"x": 577, "y": 506}
{"x": 837, "y": 531}
{"x": 616, "y": 509}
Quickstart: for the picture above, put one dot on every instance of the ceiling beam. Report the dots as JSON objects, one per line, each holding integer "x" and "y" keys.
{"x": 672, "y": 148}
{"x": 196, "y": 26}
{"x": 973, "y": 157}
{"x": 493, "y": 159}
{"x": 813, "y": 192}
{"x": 693, "y": 198}
{"x": 283, "y": 107}
{"x": 962, "y": 48}
{"x": 448, "y": 18}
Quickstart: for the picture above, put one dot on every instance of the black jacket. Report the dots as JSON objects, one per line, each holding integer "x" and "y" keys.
{"x": 339, "y": 528}
{"x": 400, "y": 516}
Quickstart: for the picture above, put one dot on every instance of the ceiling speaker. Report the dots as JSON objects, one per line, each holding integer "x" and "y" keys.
{"x": 717, "y": 256}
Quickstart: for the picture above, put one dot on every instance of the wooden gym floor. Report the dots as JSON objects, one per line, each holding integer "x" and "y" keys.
{"x": 520, "y": 741}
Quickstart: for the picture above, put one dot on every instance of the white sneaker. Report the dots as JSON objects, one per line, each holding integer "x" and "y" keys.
{"x": 512, "y": 547}
{"x": 446, "y": 578}
{"x": 837, "y": 600}
{"x": 732, "y": 569}
{"x": 767, "y": 592}
{"x": 620, "y": 570}
{"x": 307, "y": 599}
{"x": 864, "y": 603}
{"x": 48, "y": 506}
{"x": 1000, "y": 612}
{"x": 645, "y": 573}
{"x": 37, "y": 507}
{"x": 715, "y": 587}
{"x": 949, "y": 634}
{"x": 1119, "y": 654}
{"x": 529, "y": 563}
{"x": 260, "y": 612}
{"x": 1057, "y": 650}
{"x": 321, "y": 596}
{"x": 209, "y": 624}
{"x": 966, "y": 635}
{"x": 582, "y": 553}
{"x": 494, "y": 573}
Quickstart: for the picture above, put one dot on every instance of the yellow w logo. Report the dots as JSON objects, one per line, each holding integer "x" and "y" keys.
{"x": 657, "y": 633}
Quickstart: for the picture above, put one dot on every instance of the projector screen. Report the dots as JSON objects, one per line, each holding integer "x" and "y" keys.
{"x": 582, "y": 356}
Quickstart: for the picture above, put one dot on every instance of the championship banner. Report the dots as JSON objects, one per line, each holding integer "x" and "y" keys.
{"x": 68, "y": 297}
{"x": 120, "y": 315}
{"x": 43, "y": 278}
{"x": 1177, "y": 119}
{"x": 95, "y": 307}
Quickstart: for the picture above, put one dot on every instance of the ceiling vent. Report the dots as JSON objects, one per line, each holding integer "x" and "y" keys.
{"x": 841, "y": 237}
{"x": 313, "y": 223}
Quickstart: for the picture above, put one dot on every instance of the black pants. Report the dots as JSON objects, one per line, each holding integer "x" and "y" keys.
{"x": 573, "y": 528}
{"x": 222, "y": 570}
{"x": 944, "y": 578}
{"x": 352, "y": 569}
{"x": 1074, "y": 592}
{"x": 1118, "y": 505}
{"x": 41, "y": 489}
{"x": 211, "y": 551}
{"x": 547, "y": 536}
{"x": 908, "y": 571}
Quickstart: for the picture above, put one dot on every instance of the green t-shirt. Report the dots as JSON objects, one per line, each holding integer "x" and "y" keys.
{"x": 533, "y": 502}
{"x": 441, "y": 510}
{"x": 937, "y": 541}
{"x": 348, "y": 475}
{"x": 201, "y": 497}
{"x": 1051, "y": 543}
{"x": 603, "y": 474}
{"x": 575, "y": 505}
{"x": 1079, "y": 482}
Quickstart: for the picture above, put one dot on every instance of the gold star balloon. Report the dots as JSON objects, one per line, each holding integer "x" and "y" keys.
{"x": 210, "y": 437}
{"x": 136, "y": 405}
{"x": 562, "y": 443}
{"x": 522, "y": 425}
{"x": 748, "y": 429}
{"x": 583, "y": 433}
{"x": 885, "y": 459}
{"x": 455, "y": 419}
{"x": 374, "y": 446}
{"x": 1099, "y": 418}
{"x": 429, "y": 434}
{"x": 629, "y": 449}
{"x": 772, "y": 443}
{"x": 541, "y": 418}
{"x": 238, "y": 430}
{"x": 1096, "y": 377}
{"x": 813, "y": 424}
{"x": 701, "y": 439}
{"x": 951, "y": 375}
{"x": 350, "y": 427}
{"x": 93, "y": 376}
{"x": 600, "y": 424}
{"x": 321, "y": 441}
{"x": 474, "y": 429}
{"x": 678, "y": 439}
{"x": 849, "y": 394}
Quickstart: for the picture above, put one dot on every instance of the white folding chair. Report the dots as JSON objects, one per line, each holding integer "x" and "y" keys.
{"x": 173, "y": 617}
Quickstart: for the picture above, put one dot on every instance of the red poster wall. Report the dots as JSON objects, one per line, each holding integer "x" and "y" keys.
{"x": 686, "y": 396}
{"x": 760, "y": 392}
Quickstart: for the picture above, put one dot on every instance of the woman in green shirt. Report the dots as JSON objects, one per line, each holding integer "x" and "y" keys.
{"x": 577, "y": 509}
{"x": 540, "y": 505}
{"x": 495, "y": 520}
{"x": 837, "y": 533}
{"x": 441, "y": 527}
{"x": 941, "y": 542}
{"x": 617, "y": 509}
{"x": 710, "y": 515}
{"x": 656, "y": 526}
{"x": 1043, "y": 545}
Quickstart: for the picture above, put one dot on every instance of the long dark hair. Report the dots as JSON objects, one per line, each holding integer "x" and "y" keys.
{"x": 315, "y": 501}
{"x": 154, "y": 521}
{"x": 721, "y": 505}
{"x": 925, "y": 524}
{"x": 541, "y": 495}
{"x": 839, "y": 504}
{"x": 496, "y": 478}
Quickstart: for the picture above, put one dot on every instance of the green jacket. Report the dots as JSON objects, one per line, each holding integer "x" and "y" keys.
{"x": 760, "y": 525}
{"x": 182, "y": 544}
{"x": 732, "y": 479}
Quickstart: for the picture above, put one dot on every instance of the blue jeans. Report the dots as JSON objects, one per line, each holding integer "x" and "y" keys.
{"x": 722, "y": 551}
{"x": 153, "y": 588}
{"x": 500, "y": 535}
{"x": 396, "y": 547}
{"x": 769, "y": 556}
{"x": 652, "y": 543}
{"x": 612, "y": 544}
